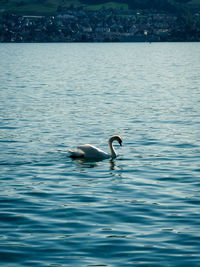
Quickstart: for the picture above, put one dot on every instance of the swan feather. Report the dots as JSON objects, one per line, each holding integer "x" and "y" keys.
{"x": 92, "y": 151}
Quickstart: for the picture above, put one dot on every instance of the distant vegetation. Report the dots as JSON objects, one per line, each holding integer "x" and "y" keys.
{"x": 50, "y": 7}
{"x": 162, "y": 5}
{"x": 73, "y": 21}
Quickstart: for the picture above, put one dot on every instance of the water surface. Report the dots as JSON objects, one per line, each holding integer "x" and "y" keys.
{"x": 140, "y": 209}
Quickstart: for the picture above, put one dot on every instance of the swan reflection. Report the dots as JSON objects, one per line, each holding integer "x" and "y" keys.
{"x": 89, "y": 163}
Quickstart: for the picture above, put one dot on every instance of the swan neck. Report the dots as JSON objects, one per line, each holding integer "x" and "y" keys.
{"x": 112, "y": 150}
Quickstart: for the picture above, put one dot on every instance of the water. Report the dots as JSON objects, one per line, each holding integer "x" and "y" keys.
{"x": 140, "y": 209}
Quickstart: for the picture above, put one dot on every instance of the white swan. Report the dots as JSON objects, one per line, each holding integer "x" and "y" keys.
{"x": 91, "y": 152}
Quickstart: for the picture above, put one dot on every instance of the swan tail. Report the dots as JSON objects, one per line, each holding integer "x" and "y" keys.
{"x": 76, "y": 154}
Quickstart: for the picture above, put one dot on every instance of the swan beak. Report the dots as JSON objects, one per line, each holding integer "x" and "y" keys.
{"x": 120, "y": 144}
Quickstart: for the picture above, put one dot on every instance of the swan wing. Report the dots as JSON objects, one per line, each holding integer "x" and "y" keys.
{"x": 76, "y": 154}
{"x": 92, "y": 152}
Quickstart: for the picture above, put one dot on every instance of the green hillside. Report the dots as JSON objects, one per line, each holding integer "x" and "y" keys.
{"x": 35, "y": 7}
{"x": 46, "y": 7}
{"x": 50, "y": 7}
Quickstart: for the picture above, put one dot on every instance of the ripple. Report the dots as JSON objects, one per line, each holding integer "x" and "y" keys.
{"x": 142, "y": 208}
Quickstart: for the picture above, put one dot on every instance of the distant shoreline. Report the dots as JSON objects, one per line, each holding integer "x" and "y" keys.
{"x": 98, "y": 26}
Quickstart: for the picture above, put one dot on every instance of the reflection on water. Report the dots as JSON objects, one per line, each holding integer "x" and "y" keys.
{"x": 112, "y": 165}
{"x": 90, "y": 163}
{"x": 141, "y": 208}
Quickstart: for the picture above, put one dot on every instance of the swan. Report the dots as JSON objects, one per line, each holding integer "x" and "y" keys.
{"x": 91, "y": 152}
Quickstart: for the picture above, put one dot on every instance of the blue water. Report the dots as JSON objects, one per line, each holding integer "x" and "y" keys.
{"x": 141, "y": 209}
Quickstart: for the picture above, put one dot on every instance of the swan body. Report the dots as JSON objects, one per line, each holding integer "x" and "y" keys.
{"x": 91, "y": 152}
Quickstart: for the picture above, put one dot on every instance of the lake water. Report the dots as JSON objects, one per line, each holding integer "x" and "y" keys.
{"x": 141, "y": 209}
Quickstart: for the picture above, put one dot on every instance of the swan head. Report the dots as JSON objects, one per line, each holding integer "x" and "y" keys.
{"x": 116, "y": 138}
